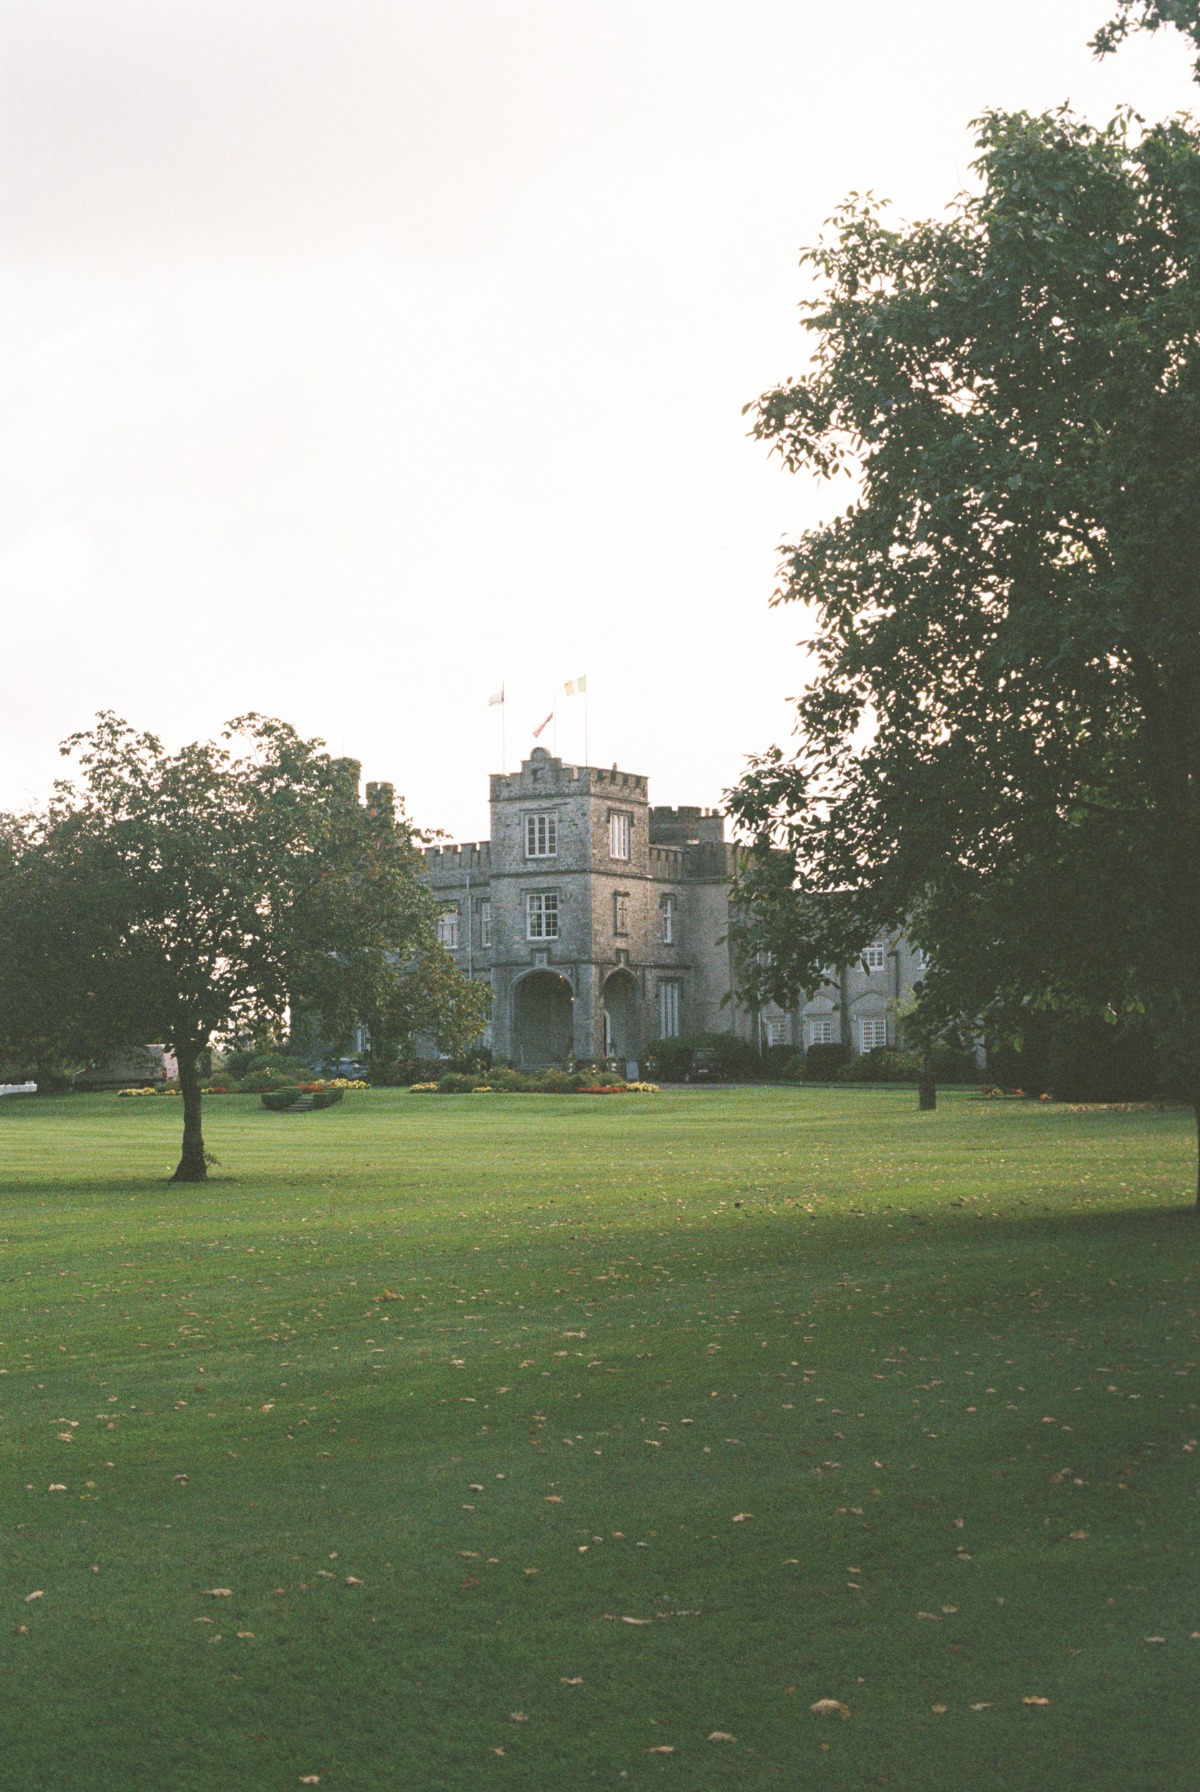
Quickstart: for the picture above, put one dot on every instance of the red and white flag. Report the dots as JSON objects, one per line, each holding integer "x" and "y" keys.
{"x": 544, "y": 724}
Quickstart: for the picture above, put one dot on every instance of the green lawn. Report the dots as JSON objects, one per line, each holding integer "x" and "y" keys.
{"x": 532, "y": 1436}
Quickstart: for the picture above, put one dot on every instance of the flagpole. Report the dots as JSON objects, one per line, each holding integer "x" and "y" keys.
{"x": 503, "y": 735}
{"x": 554, "y": 730}
{"x": 585, "y": 725}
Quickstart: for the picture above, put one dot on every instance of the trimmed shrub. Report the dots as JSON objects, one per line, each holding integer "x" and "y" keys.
{"x": 670, "y": 1059}
{"x": 822, "y": 1063}
{"x": 456, "y": 1082}
{"x": 885, "y": 1064}
{"x": 327, "y": 1098}
{"x": 504, "y": 1080}
{"x": 794, "y": 1069}
{"x": 275, "y": 1076}
{"x": 729, "y": 1058}
{"x": 552, "y": 1082}
{"x": 284, "y": 1067}
{"x": 402, "y": 1073}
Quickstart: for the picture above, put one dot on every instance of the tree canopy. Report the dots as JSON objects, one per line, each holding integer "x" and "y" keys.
{"x": 1149, "y": 15}
{"x": 188, "y": 896}
{"x": 1000, "y": 745}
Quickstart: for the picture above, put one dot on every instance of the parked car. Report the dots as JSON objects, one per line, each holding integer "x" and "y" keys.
{"x": 349, "y": 1067}
{"x": 705, "y": 1065}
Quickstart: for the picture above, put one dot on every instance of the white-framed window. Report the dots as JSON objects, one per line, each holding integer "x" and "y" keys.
{"x": 541, "y": 915}
{"x": 875, "y": 956}
{"x": 620, "y": 834}
{"x": 666, "y": 906}
{"x": 485, "y": 923}
{"x": 669, "y": 990}
{"x": 621, "y": 912}
{"x": 447, "y": 927}
{"x": 541, "y": 836}
{"x": 871, "y": 1035}
{"x": 821, "y": 1029}
{"x": 777, "y": 1030}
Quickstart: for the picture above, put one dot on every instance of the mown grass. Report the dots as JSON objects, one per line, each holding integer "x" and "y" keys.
{"x": 833, "y": 1399}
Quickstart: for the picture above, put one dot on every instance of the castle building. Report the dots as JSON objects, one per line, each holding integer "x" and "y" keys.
{"x": 602, "y": 924}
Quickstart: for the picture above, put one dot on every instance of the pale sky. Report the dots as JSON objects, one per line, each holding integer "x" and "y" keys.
{"x": 360, "y": 357}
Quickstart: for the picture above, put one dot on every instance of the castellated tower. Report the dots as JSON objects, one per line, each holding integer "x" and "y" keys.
{"x": 599, "y": 921}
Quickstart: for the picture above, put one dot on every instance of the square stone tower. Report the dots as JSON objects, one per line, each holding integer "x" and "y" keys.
{"x": 570, "y": 894}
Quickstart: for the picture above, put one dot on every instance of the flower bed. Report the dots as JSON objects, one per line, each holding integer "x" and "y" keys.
{"x": 511, "y": 1082}
{"x": 278, "y": 1101}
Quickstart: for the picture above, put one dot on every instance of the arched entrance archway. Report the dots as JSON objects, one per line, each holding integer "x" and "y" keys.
{"x": 543, "y": 1023}
{"x": 622, "y": 1034}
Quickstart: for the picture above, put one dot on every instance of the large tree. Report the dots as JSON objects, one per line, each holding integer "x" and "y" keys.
{"x": 185, "y": 896}
{"x": 1000, "y": 744}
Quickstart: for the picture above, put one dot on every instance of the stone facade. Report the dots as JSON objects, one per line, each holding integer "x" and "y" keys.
{"x": 601, "y": 924}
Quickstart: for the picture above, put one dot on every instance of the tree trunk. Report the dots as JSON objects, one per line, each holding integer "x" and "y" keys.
{"x": 926, "y": 1087}
{"x": 192, "y": 1164}
{"x": 1197, "y": 1106}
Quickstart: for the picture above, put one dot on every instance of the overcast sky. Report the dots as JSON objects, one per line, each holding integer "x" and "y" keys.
{"x": 361, "y": 357}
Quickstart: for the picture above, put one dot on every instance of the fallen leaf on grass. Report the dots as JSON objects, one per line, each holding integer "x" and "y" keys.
{"x": 517, "y": 1717}
{"x": 984, "y": 1705}
{"x": 310, "y": 1779}
{"x": 1155, "y": 1639}
{"x": 577, "y": 1681}
{"x": 352, "y": 1580}
{"x": 830, "y": 1708}
{"x": 246, "y": 1635}
{"x": 1034, "y": 1700}
{"x": 1078, "y": 1536}
{"x": 940, "y": 1709}
{"x": 218, "y": 1592}
{"x": 661, "y": 1748}
{"x": 741, "y": 1517}
{"x": 554, "y": 1499}
{"x": 637, "y": 1620}
{"x": 30, "y": 1597}
{"x": 58, "y": 1487}
{"x": 721, "y": 1736}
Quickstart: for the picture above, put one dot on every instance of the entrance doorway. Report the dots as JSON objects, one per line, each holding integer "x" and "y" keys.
{"x": 622, "y": 1035}
{"x": 543, "y": 1023}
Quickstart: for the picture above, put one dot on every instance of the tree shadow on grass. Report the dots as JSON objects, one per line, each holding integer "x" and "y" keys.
{"x": 98, "y": 1187}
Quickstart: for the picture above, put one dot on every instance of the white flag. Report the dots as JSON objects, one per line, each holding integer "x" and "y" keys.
{"x": 575, "y": 687}
{"x": 498, "y": 698}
